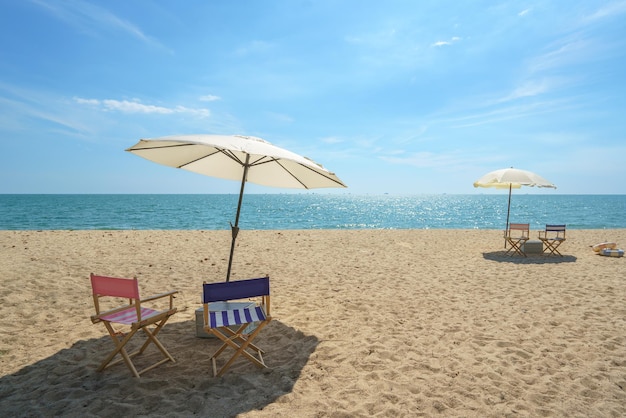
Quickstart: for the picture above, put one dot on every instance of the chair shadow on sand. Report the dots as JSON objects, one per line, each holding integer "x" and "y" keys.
{"x": 67, "y": 383}
{"x": 503, "y": 257}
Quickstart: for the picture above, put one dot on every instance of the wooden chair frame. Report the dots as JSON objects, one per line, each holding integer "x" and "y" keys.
{"x": 552, "y": 237}
{"x": 133, "y": 315}
{"x": 517, "y": 235}
{"x": 247, "y": 322}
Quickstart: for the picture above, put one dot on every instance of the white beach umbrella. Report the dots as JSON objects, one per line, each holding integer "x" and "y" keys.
{"x": 237, "y": 157}
{"x": 511, "y": 178}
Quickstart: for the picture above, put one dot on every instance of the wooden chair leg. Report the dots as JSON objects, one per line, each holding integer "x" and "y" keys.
{"x": 241, "y": 336}
{"x": 548, "y": 248}
{"x": 152, "y": 338}
{"x": 511, "y": 247}
{"x": 519, "y": 248}
{"x": 120, "y": 348}
{"x": 516, "y": 247}
{"x": 551, "y": 247}
{"x": 240, "y": 343}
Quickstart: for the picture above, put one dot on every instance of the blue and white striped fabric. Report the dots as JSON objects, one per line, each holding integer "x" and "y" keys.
{"x": 236, "y": 316}
{"x": 612, "y": 252}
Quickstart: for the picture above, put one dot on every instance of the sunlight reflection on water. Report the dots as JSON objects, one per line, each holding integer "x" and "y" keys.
{"x": 308, "y": 211}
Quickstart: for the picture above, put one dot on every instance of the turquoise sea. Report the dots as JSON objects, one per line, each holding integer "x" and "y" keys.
{"x": 307, "y": 211}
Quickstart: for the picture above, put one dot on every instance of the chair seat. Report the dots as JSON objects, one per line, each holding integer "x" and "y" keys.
{"x": 129, "y": 316}
{"x": 236, "y": 317}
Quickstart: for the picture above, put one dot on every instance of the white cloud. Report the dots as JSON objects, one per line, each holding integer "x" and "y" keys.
{"x": 209, "y": 98}
{"x": 528, "y": 89}
{"x": 135, "y": 106}
{"x": 126, "y": 106}
{"x": 612, "y": 9}
{"x": 93, "y": 102}
{"x": 445, "y": 43}
{"x": 524, "y": 12}
{"x": 88, "y": 17}
{"x": 568, "y": 52}
{"x": 507, "y": 113}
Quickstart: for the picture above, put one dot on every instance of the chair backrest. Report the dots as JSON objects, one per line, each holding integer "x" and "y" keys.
{"x": 239, "y": 289}
{"x": 114, "y": 286}
{"x": 558, "y": 230}
{"x": 523, "y": 229}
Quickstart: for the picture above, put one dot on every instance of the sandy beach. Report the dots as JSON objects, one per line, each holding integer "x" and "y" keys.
{"x": 366, "y": 323}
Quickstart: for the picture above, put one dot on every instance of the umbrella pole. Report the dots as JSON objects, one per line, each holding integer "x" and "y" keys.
{"x": 235, "y": 228}
{"x": 508, "y": 211}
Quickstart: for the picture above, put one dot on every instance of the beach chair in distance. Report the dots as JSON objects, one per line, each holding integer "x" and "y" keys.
{"x": 236, "y": 324}
{"x": 517, "y": 235}
{"x": 552, "y": 237}
{"x": 130, "y": 317}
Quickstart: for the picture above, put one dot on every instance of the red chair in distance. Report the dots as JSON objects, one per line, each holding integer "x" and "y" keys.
{"x": 517, "y": 235}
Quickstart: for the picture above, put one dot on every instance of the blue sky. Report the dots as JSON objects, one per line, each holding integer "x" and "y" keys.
{"x": 395, "y": 96}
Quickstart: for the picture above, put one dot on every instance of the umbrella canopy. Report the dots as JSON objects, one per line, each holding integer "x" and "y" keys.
{"x": 512, "y": 178}
{"x": 237, "y": 157}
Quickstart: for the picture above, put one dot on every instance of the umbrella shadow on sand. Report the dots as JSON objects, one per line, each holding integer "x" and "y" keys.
{"x": 503, "y": 257}
{"x": 67, "y": 383}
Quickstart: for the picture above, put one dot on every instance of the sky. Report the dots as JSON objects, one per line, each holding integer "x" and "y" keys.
{"x": 398, "y": 96}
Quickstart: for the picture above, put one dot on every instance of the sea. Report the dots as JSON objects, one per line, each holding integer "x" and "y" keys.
{"x": 306, "y": 211}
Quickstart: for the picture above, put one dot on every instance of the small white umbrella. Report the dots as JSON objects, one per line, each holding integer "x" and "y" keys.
{"x": 237, "y": 157}
{"x": 512, "y": 178}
